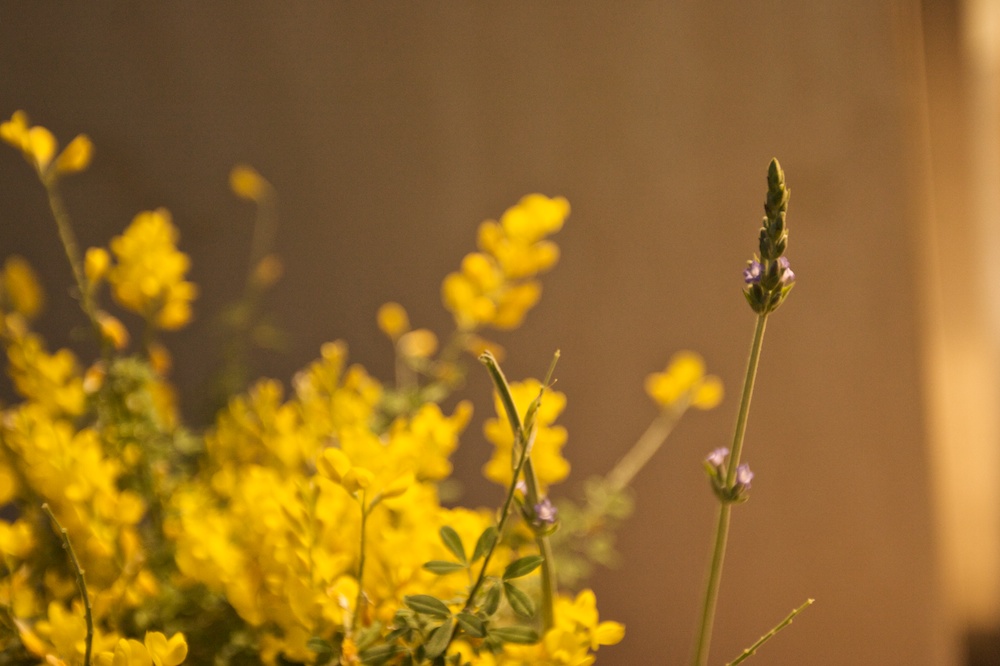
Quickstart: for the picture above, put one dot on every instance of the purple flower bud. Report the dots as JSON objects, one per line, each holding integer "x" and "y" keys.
{"x": 787, "y": 275}
{"x": 521, "y": 486}
{"x": 743, "y": 476}
{"x": 751, "y": 274}
{"x": 546, "y": 512}
{"x": 717, "y": 457}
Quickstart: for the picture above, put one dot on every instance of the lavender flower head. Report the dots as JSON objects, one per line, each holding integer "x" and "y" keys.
{"x": 546, "y": 512}
{"x": 754, "y": 271}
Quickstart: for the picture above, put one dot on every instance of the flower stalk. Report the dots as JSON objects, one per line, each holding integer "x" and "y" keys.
{"x": 80, "y": 582}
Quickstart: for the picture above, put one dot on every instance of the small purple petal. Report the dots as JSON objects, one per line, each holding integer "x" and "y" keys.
{"x": 717, "y": 457}
{"x": 751, "y": 274}
{"x": 546, "y": 511}
{"x": 744, "y": 476}
{"x": 787, "y": 275}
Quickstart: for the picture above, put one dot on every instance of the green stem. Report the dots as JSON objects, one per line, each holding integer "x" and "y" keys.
{"x": 548, "y": 572}
{"x": 722, "y": 523}
{"x": 750, "y": 651}
{"x": 361, "y": 564}
{"x": 80, "y": 582}
{"x": 68, "y": 239}
{"x": 644, "y": 448}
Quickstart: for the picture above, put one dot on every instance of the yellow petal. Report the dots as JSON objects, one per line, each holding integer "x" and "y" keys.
{"x": 76, "y": 155}
{"x": 709, "y": 393}
{"x": 420, "y": 343}
{"x": 41, "y": 146}
{"x": 392, "y": 320}
{"x": 247, "y": 183}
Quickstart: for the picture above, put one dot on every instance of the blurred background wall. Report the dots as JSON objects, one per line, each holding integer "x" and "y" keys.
{"x": 391, "y": 130}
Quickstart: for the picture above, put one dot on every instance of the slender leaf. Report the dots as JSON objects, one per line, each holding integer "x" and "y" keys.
{"x": 522, "y": 635}
{"x": 379, "y": 654}
{"x": 492, "y": 602}
{"x": 472, "y": 625}
{"x": 522, "y": 566}
{"x": 425, "y": 604}
{"x": 443, "y": 567}
{"x": 438, "y": 641}
{"x": 485, "y": 542}
{"x": 453, "y": 542}
{"x": 519, "y": 601}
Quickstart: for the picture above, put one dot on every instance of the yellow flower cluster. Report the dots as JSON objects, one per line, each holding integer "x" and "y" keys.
{"x": 550, "y": 466}
{"x": 148, "y": 274}
{"x": 305, "y": 526}
{"x": 684, "y": 383}
{"x": 496, "y": 286}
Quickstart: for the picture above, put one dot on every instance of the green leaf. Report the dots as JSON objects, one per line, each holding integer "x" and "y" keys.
{"x": 453, "y": 542}
{"x": 522, "y": 566}
{"x": 519, "y": 601}
{"x": 492, "y": 602}
{"x": 522, "y": 635}
{"x": 472, "y": 625}
{"x": 379, "y": 654}
{"x": 485, "y": 542}
{"x": 425, "y": 604}
{"x": 443, "y": 567}
{"x": 439, "y": 639}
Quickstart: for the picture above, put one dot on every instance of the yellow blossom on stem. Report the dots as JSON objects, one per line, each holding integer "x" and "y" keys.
{"x": 148, "y": 277}
{"x": 550, "y": 466}
{"x": 19, "y": 288}
{"x": 684, "y": 383}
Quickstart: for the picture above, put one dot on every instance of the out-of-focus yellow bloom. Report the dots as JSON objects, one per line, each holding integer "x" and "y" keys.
{"x": 392, "y": 320}
{"x": 420, "y": 343}
{"x": 247, "y": 183}
{"x": 38, "y": 146}
{"x": 496, "y": 286}
{"x": 550, "y": 466}
{"x": 684, "y": 383}
{"x": 148, "y": 277}
{"x": 268, "y": 271}
{"x": 20, "y": 289}
{"x": 76, "y": 155}
{"x": 96, "y": 263}
{"x": 112, "y": 329}
{"x": 52, "y": 381}
{"x": 156, "y": 650}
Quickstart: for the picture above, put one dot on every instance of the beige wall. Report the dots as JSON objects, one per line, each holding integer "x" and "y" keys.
{"x": 391, "y": 130}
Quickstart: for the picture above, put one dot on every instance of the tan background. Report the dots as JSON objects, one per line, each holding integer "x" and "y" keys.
{"x": 390, "y": 130}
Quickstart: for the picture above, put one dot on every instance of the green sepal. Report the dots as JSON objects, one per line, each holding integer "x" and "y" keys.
{"x": 425, "y": 604}
{"x": 485, "y": 542}
{"x": 443, "y": 567}
{"x": 472, "y": 625}
{"x": 492, "y": 601}
{"x": 520, "y": 635}
{"x": 439, "y": 639}
{"x": 519, "y": 601}
{"x": 522, "y": 566}
{"x": 453, "y": 542}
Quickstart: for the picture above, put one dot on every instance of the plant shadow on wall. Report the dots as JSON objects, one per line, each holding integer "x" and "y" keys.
{"x": 305, "y": 526}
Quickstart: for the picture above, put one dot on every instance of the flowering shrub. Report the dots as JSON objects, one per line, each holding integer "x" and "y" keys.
{"x": 306, "y": 525}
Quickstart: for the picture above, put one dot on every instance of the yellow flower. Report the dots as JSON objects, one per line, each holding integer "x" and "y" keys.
{"x": 20, "y": 287}
{"x": 420, "y": 343}
{"x": 550, "y": 466}
{"x": 392, "y": 320}
{"x": 496, "y": 286}
{"x": 684, "y": 383}
{"x": 149, "y": 275}
{"x": 76, "y": 155}
{"x": 247, "y": 183}
{"x": 38, "y": 146}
